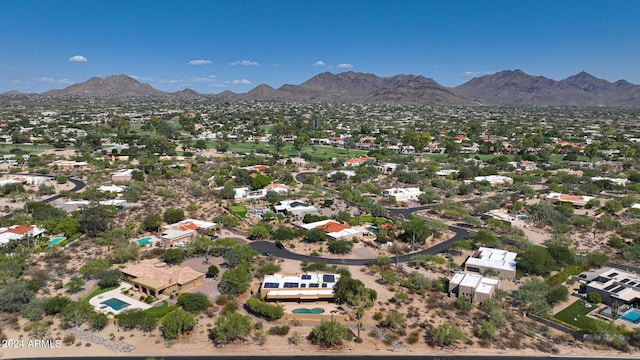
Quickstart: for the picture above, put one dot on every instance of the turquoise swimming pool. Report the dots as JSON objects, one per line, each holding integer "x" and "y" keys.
{"x": 56, "y": 240}
{"x": 115, "y": 304}
{"x": 314, "y": 311}
{"x": 145, "y": 241}
{"x": 632, "y": 316}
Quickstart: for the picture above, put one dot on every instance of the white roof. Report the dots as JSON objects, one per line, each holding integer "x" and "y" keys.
{"x": 494, "y": 258}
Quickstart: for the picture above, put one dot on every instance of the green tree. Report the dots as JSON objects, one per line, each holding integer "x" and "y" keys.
{"x": 613, "y": 206}
{"x": 173, "y": 256}
{"x": 176, "y": 323}
{"x": 94, "y": 219}
{"x": 536, "y": 260}
{"x": 235, "y": 281}
{"x": 74, "y": 285}
{"x": 260, "y": 181}
{"x": 283, "y": 233}
{"x": 108, "y": 278}
{"x": 98, "y": 321}
{"x": 230, "y": 326}
{"x": 75, "y": 313}
{"x": 416, "y": 230}
{"x": 487, "y": 330}
{"x": 54, "y": 305}
{"x": 354, "y": 292}
{"x": 173, "y": 215}
{"x": 151, "y": 222}
{"x": 532, "y": 295}
{"x": 34, "y": 310}
{"x": 238, "y": 254}
{"x": 194, "y": 302}
{"x": 340, "y": 246}
{"x": 447, "y": 334}
{"x": 594, "y": 297}
{"x": 227, "y": 192}
{"x": 93, "y": 267}
{"x": 268, "y": 268}
{"x": 212, "y": 271}
{"x": 598, "y": 259}
{"x": 15, "y": 294}
{"x": 329, "y": 333}
{"x": 260, "y": 231}
{"x": 315, "y": 235}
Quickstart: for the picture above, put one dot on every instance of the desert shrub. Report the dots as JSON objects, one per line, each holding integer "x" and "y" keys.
{"x": 264, "y": 309}
{"x": 279, "y": 330}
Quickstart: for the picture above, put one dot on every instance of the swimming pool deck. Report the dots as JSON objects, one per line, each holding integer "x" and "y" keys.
{"x": 97, "y": 300}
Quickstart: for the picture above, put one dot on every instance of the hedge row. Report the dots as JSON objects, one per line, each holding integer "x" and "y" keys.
{"x": 263, "y": 309}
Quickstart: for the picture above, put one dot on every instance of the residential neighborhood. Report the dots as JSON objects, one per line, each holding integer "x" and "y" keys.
{"x": 396, "y": 223}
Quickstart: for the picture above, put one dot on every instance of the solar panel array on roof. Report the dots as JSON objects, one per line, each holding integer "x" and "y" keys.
{"x": 618, "y": 289}
{"x": 328, "y": 278}
{"x": 290, "y": 285}
{"x": 606, "y": 289}
{"x": 314, "y": 285}
{"x": 613, "y": 274}
{"x": 324, "y": 285}
{"x": 633, "y": 283}
{"x": 270, "y": 285}
{"x": 601, "y": 279}
{"x": 624, "y": 281}
{"x": 305, "y": 277}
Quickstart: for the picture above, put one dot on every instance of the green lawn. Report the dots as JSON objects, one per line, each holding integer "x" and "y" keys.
{"x": 162, "y": 310}
{"x": 31, "y": 149}
{"x": 579, "y": 312}
{"x": 99, "y": 291}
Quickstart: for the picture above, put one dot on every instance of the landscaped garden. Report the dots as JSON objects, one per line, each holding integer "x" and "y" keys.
{"x": 576, "y": 315}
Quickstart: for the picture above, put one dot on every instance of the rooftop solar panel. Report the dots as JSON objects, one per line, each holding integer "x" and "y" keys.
{"x": 328, "y": 278}
{"x": 610, "y": 287}
{"x": 305, "y": 277}
{"x": 624, "y": 281}
{"x": 618, "y": 289}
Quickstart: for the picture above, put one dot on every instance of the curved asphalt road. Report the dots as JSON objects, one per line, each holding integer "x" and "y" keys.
{"x": 77, "y": 186}
{"x": 267, "y": 246}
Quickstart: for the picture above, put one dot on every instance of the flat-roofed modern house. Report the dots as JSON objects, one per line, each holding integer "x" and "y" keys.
{"x": 156, "y": 279}
{"x": 122, "y": 175}
{"x": 403, "y": 194}
{"x": 296, "y": 207}
{"x": 476, "y": 287}
{"x": 614, "y": 285}
{"x": 501, "y": 261}
{"x": 307, "y": 286}
{"x": 494, "y": 180}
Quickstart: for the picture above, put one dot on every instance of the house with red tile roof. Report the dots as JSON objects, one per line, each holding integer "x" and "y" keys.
{"x": 180, "y": 233}
{"x": 358, "y": 161}
{"x": 334, "y": 229}
{"x": 16, "y": 232}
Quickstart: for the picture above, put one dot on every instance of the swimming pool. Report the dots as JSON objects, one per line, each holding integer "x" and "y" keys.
{"x": 145, "y": 241}
{"x": 373, "y": 229}
{"x": 632, "y": 316}
{"x": 56, "y": 240}
{"x": 115, "y": 304}
{"x": 314, "y": 311}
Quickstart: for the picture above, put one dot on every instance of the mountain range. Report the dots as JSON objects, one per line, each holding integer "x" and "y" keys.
{"x": 504, "y": 87}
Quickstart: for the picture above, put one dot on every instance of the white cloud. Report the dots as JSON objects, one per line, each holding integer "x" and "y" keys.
{"x": 47, "y": 79}
{"x": 245, "y": 63}
{"x": 78, "y": 58}
{"x": 200, "y": 62}
{"x": 241, "y": 82}
{"x": 319, "y": 63}
{"x": 477, "y": 73}
{"x": 345, "y": 66}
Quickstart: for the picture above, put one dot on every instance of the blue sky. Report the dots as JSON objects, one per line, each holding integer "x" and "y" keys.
{"x": 212, "y": 46}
